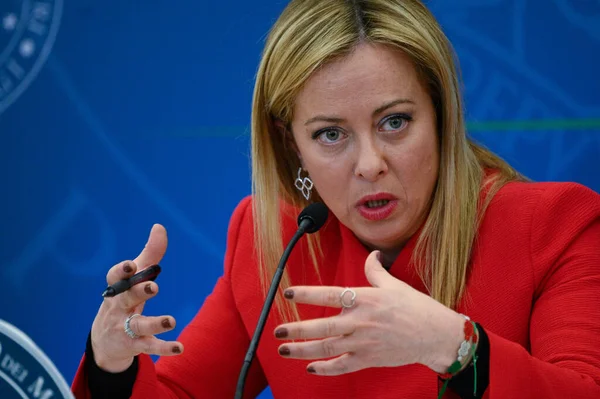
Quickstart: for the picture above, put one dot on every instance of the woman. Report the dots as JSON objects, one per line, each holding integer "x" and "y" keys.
{"x": 463, "y": 279}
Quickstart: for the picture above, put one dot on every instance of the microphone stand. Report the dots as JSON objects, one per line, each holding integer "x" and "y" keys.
{"x": 304, "y": 225}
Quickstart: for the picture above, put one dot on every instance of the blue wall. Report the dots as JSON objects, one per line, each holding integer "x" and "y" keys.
{"x": 140, "y": 114}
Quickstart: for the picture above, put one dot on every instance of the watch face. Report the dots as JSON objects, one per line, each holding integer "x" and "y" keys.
{"x": 27, "y": 32}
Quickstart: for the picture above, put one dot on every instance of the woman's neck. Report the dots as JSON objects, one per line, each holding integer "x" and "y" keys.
{"x": 388, "y": 255}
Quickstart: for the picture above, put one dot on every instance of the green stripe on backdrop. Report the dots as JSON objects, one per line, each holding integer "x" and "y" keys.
{"x": 528, "y": 125}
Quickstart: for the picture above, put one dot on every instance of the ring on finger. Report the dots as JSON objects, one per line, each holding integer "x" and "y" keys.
{"x": 351, "y": 302}
{"x": 127, "y": 327}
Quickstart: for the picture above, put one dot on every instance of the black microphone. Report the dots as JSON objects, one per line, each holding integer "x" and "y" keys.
{"x": 311, "y": 219}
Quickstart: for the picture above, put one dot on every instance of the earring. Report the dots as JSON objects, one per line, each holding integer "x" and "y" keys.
{"x": 304, "y": 185}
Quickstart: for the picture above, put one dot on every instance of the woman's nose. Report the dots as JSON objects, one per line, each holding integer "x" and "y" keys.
{"x": 371, "y": 163}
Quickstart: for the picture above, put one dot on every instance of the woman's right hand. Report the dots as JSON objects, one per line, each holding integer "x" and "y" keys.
{"x": 114, "y": 350}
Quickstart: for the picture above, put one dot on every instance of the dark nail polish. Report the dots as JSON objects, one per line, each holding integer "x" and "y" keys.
{"x": 176, "y": 349}
{"x": 311, "y": 370}
{"x": 127, "y": 269}
{"x": 281, "y": 333}
{"x": 148, "y": 289}
{"x": 288, "y": 294}
{"x": 284, "y": 351}
{"x": 166, "y": 323}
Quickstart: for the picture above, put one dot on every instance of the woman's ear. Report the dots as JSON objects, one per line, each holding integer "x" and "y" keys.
{"x": 279, "y": 126}
{"x": 289, "y": 143}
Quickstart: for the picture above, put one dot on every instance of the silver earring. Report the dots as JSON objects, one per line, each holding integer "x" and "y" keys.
{"x": 304, "y": 185}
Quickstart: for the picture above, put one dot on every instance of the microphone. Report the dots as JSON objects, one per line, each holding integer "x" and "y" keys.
{"x": 310, "y": 220}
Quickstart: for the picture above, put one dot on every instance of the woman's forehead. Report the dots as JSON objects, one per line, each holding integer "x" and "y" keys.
{"x": 370, "y": 73}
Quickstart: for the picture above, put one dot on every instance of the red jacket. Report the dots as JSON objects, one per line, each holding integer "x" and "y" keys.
{"x": 534, "y": 286}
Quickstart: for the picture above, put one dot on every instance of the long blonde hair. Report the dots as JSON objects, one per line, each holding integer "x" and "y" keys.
{"x": 311, "y": 33}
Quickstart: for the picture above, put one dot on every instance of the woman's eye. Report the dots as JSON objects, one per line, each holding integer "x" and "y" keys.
{"x": 329, "y": 136}
{"x": 396, "y": 122}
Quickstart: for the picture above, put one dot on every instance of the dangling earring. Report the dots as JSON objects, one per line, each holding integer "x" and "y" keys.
{"x": 304, "y": 185}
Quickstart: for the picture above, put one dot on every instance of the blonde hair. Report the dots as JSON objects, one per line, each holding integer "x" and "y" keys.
{"x": 311, "y": 33}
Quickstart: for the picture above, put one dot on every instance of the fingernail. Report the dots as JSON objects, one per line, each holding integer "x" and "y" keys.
{"x": 176, "y": 349}
{"x": 311, "y": 369}
{"x": 148, "y": 289}
{"x": 281, "y": 333}
{"x": 166, "y": 323}
{"x": 127, "y": 268}
{"x": 284, "y": 351}
{"x": 379, "y": 256}
{"x": 288, "y": 294}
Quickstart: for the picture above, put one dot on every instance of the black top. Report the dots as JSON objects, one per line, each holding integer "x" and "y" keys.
{"x": 103, "y": 384}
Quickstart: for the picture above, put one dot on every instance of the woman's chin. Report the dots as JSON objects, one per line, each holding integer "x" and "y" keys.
{"x": 385, "y": 241}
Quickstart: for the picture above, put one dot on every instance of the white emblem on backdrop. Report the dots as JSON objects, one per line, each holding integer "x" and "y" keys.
{"x": 25, "y": 371}
{"x": 27, "y": 32}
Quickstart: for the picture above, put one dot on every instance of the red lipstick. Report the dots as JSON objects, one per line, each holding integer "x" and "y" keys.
{"x": 377, "y": 207}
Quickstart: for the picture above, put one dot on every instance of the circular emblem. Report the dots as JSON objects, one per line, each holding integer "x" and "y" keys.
{"x": 25, "y": 371}
{"x": 27, "y": 32}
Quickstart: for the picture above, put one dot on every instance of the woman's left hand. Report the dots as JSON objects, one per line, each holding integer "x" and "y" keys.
{"x": 390, "y": 324}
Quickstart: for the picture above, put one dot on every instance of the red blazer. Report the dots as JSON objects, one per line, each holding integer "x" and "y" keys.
{"x": 534, "y": 286}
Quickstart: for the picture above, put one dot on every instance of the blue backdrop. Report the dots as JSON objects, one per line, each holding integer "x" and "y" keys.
{"x": 116, "y": 115}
